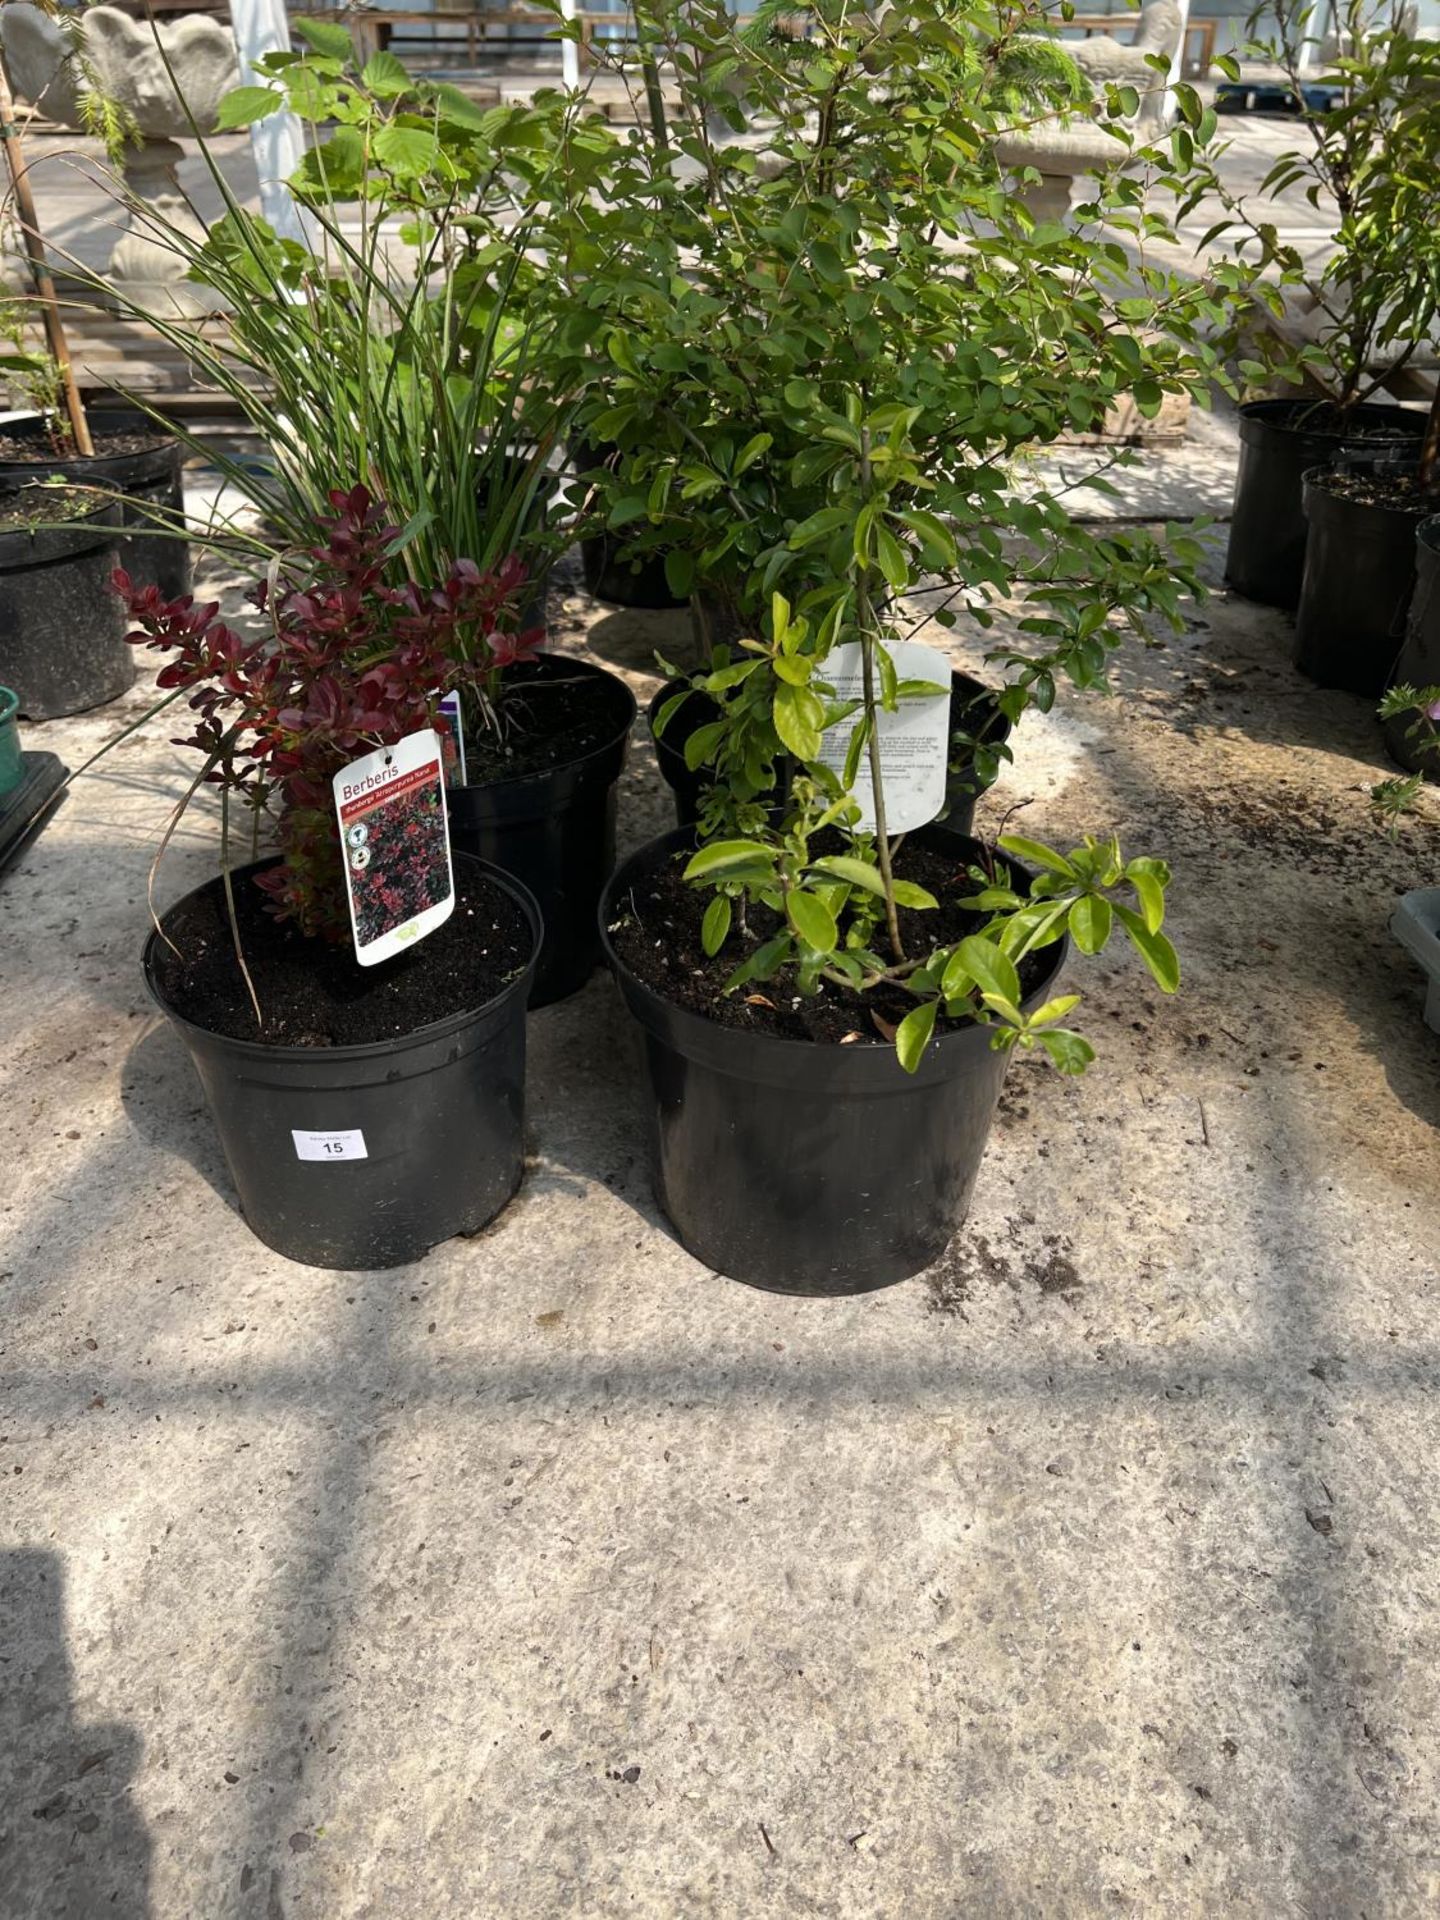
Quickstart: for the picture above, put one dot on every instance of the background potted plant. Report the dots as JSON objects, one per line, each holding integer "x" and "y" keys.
{"x": 428, "y": 382}
{"x": 1343, "y": 327}
{"x": 868, "y": 239}
{"x": 366, "y": 1113}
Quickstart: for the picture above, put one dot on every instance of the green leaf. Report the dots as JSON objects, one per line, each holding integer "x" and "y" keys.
{"x": 1071, "y": 1052}
{"x": 819, "y": 525}
{"x": 386, "y": 76}
{"x": 1154, "y": 949}
{"x": 667, "y": 711}
{"x": 715, "y": 927}
{"x": 245, "y": 106}
{"x": 679, "y": 573}
{"x": 1037, "y": 855}
{"x": 859, "y": 873}
{"x": 458, "y": 108}
{"x": 752, "y": 451}
{"x": 1054, "y": 1010}
{"x": 1090, "y": 919}
{"x": 957, "y": 978}
{"x": 404, "y": 151}
{"x": 891, "y": 557}
{"x": 1152, "y": 899}
{"x": 812, "y": 920}
{"x": 991, "y": 970}
{"x": 325, "y": 36}
{"x": 799, "y": 717}
{"x": 937, "y": 543}
{"x": 907, "y": 894}
{"x": 700, "y": 744}
{"x": 717, "y": 856}
{"x": 795, "y": 671}
{"x": 912, "y": 1036}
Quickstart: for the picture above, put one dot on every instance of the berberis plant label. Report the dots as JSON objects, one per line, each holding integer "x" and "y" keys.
{"x": 914, "y": 738}
{"x": 391, "y": 808}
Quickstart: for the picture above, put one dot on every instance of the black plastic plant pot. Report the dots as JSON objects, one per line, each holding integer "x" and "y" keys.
{"x": 12, "y": 761}
{"x": 972, "y": 711}
{"x": 440, "y": 1113}
{"x": 1265, "y": 560}
{"x": 1359, "y": 575}
{"x": 148, "y": 475}
{"x": 62, "y": 629}
{"x": 555, "y": 830}
{"x": 1419, "y": 662}
{"x": 806, "y": 1168}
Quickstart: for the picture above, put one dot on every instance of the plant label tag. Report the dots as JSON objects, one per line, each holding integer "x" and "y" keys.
{"x": 451, "y": 730}
{"x": 347, "y": 1144}
{"x": 914, "y": 741}
{"x": 395, "y": 845}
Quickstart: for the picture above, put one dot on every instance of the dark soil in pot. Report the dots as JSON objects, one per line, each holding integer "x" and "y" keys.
{"x": 973, "y": 715}
{"x": 132, "y": 456}
{"x": 539, "y": 801}
{"x": 62, "y": 629}
{"x": 1280, "y": 440}
{"x": 1419, "y": 662}
{"x": 314, "y": 993}
{"x": 362, "y": 1151}
{"x": 1359, "y": 571}
{"x": 790, "y": 1149}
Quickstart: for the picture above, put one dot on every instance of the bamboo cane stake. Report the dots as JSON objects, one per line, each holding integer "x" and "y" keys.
{"x": 39, "y": 265}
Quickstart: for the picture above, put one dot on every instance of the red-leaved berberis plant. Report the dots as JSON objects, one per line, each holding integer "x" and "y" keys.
{"x": 349, "y": 664}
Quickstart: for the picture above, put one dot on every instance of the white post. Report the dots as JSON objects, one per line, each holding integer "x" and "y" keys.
{"x": 1177, "y": 62}
{"x": 569, "y": 52}
{"x": 278, "y": 142}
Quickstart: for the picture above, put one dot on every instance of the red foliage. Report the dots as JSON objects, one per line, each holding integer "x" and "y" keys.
{"x": 349, "y": 665}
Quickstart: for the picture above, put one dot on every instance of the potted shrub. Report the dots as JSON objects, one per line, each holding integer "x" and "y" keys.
{"x": 1356, "y": 319}
{"x": 829, "y": 998}
{"x": 1364, "y": 518}
{"x": 60, "y": 646}
{"x": 369, "y": 1101}
{"x": 859, "y": 244}
{"x": 427, "y": 384}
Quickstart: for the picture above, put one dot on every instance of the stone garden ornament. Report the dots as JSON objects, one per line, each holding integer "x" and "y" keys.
{"x": 162, "y": 91}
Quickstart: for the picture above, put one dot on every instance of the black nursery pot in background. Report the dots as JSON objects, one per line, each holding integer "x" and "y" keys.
{"x": 1419, "y": 662}
{"x": 132, "y": 456}
{"x": 609, "y": 577}
{"x": 972, "y": 712}
{"x": 554, "y": 827}
{"x": 803, "y": 1167}
{"x": 1359, "y": 574}
{"x": 1280, "y": 440}
{"x": 440, "y": 1110}
{"x": 62, "y": 629}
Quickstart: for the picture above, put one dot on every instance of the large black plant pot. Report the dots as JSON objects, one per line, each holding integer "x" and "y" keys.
{"x": 62, "y": 628}
{"x": 554, "y": 828}
{"x": 1419, "y": 662}
{"x": 973, "y": 713}
{"x": 1280, "y": 440}
{"x": 1359, "y": 574}
{"x": 134, "y": 457}
{"x": 440, "y": 1110}
{"x": 800, "y": 1167}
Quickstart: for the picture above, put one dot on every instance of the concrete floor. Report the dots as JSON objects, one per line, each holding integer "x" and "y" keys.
{"x": 1094, "y": 1571}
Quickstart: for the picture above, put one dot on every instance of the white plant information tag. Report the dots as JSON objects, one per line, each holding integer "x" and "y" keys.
{"x": 347, "y": 1144}
{"x": 391, "y": 809}
{"x": 914, "y": 740}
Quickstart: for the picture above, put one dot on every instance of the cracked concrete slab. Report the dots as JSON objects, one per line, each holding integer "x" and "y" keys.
{"x": 1091, "y": 1572}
